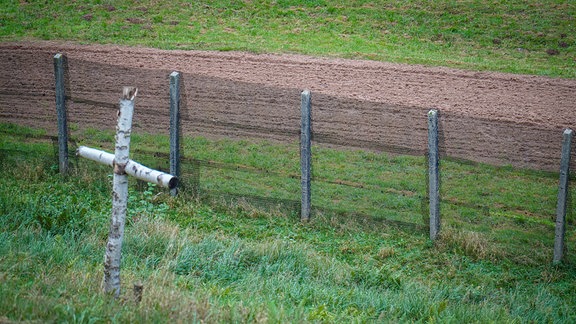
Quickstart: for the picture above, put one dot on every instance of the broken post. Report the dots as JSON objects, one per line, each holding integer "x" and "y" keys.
{"x": 562, "y": 197}
{"x": 433, "y": 174}
{"x": 305, "y": 154}
{"x": 59, "y": 66}
{"x": 174, "y": 127}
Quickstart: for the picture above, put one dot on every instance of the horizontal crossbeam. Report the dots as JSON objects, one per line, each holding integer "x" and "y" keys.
{"x": 132, "y": 168}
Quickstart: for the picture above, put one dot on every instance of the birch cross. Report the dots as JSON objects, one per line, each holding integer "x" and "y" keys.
{"x": 123, "y": 167}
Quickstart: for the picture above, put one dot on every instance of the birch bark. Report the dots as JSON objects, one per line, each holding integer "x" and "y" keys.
{"x": 133, "y": 168}
{"x": 112, "y": 257}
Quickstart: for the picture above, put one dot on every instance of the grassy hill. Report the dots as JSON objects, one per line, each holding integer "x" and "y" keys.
{"x": 533, "y": 37}
{"x": 234, "y": 262}
{"x": 364, "y": 257}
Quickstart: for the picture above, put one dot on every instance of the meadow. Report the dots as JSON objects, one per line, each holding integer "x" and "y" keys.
{"x": 530, "y": 37}
{"x": 215, "y": 260}
{"x": 364, "y": 257}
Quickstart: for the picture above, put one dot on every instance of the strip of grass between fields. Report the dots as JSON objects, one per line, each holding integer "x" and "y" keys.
{"x": 531, "y": 37}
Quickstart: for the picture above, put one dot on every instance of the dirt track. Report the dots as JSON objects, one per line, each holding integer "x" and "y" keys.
{"x": 486, "y": 117}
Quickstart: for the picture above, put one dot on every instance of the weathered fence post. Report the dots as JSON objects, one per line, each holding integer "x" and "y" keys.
{"x": 433, "y": 174}
{"x": 562, "y": 196}
{"x": 174, "y": 127}
{"x": 59, "y": 66}
{"x": 305, "y": 154}
{"x": 119, "y": 193}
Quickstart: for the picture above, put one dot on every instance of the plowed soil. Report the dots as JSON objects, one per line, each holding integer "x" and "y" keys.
{"x": 485, "y": 117}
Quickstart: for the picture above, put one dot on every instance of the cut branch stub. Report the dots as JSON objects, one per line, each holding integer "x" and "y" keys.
{"x": 119, "y": 169}
{"x": 129, "y": 93}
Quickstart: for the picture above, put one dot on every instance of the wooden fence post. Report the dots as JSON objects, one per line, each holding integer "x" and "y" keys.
{"x": 59, "y": 66}
{"x": 433, "y": 174}
{"x": 562, "y": 197}
{"x": 119, "y": 193}
{"x": 305, "y": 154}
{"x": 174, "y": 127}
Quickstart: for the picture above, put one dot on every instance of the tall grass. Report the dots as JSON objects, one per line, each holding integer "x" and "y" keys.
{"x": 239, "y": 263}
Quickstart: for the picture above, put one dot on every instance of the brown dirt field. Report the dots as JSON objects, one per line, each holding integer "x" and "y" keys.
{"x": 495, "y": 118}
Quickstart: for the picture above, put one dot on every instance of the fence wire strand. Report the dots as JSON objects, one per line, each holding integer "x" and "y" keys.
{"x": 215, "y": 108}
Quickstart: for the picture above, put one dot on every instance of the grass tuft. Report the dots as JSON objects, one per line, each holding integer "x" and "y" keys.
{"x": 472, "y": 244}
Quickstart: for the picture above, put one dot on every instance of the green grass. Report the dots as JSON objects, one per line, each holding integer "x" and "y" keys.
{"x": 532, "y": 37}
{"x": 364, "y": 257}
{"x": 235, "y": 262}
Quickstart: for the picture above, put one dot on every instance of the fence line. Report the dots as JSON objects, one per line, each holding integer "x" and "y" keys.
{"x": 484, "y": 210}
{"x": 293, "y": 204}
{"x": 536, "y": 151}
{"x": 255, "y": 170}
{"x": 328, "y": 135}
{"x": 198, "y": 163}
{"x": 234, "y": 103}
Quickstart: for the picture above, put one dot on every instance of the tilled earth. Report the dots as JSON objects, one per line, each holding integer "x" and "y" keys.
{"x": 485, "y": 117}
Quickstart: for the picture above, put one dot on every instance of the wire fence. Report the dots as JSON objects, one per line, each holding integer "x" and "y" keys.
{"x": 219, "y": 108}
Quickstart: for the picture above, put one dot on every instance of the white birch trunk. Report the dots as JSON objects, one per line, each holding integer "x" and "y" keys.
{"x": 133, "y": 168}
{"x": 112, "y": 257}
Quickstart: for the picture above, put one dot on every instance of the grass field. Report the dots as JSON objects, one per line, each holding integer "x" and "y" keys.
{"x": 533, "y": 37}
{"x": 364, "y": 257}
{"x": 235, "y": 262}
